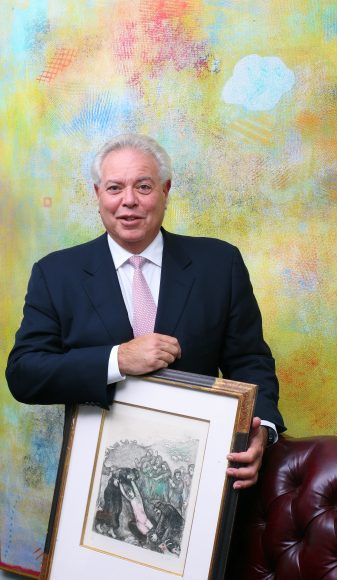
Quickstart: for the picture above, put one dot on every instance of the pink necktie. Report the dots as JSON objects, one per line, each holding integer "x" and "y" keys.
{"x": 144, "y": 308}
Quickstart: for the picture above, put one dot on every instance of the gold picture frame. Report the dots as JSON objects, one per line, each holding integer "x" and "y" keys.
{"x": 143, "y": 491}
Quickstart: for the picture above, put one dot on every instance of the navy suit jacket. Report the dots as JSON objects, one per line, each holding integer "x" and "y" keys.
{"x": 74, "y": 313}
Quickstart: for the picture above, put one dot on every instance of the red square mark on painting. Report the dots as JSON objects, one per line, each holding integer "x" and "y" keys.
{"x": 47, "y": 202}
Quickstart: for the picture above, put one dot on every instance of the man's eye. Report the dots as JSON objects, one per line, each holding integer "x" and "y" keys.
{"x": 114, "y": 188}
{"x": 144, "y": 188}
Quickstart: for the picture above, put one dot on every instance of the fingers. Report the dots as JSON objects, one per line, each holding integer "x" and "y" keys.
{"x": 147, "y": 353}
{"x": 245, "y": 468}
{"x": 247, "y": 463}
{"x": 169, "y": 344}
{"x": 244, "y": 476}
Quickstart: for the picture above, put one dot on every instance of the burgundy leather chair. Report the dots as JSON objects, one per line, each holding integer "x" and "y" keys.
{"x": 286, "y": 525}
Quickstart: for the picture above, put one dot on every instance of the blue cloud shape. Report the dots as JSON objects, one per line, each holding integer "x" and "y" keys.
{"x": 258, "y": 82}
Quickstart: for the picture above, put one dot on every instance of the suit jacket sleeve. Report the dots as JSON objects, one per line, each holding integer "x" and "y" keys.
{"x": 245, "y": 355}
{"x": 42, "y": 369}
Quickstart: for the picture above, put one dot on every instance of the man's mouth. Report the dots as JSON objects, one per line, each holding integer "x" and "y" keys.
{"x": 129, "y": 218}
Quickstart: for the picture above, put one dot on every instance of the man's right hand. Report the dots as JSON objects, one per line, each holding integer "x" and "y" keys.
{"x": 147, "y": 353}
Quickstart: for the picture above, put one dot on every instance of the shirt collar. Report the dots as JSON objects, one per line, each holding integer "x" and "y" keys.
{"x": 153, "y": 252}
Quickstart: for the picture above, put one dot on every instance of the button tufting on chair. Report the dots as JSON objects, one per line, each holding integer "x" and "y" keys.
{"x": 286, "y": 525}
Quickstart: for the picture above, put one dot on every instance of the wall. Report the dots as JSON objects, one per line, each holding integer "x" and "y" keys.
{"x": 241, "y": 95}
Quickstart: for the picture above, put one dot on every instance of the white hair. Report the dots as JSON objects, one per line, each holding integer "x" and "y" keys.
{"x": 140, "y": 143}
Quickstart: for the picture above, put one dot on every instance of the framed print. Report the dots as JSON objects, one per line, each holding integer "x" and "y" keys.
{"x": 143, "y": 492}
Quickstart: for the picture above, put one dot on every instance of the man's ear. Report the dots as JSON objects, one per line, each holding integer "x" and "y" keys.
{"x": 96, "y": 188}
{"x": 167, "y": 187}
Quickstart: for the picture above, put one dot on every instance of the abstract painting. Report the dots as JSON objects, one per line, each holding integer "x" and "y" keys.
{"x": 242, "y": 96}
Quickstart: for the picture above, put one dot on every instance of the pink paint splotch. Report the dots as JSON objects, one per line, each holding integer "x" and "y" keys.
{"x": 146, "y": 49}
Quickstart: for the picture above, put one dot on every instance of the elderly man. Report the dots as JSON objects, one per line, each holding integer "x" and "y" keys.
{"x": 138, "y": 299}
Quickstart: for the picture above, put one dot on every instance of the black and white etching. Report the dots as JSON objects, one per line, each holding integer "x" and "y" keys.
{"x": 144, "y": 492}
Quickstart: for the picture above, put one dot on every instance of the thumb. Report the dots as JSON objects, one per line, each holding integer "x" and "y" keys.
{"x": 256, "y": 423}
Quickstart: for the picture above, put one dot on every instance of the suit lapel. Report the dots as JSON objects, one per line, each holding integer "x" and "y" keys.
{"x": 101, "y": 284}
{"x": 102, "y": 287}
{"x": 176, "y": 282}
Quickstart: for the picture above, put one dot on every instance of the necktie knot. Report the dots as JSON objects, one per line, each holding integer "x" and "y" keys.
{"x": 137, "y": 262}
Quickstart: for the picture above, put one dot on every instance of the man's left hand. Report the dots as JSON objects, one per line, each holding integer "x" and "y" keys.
{"x": 251, "y": 459}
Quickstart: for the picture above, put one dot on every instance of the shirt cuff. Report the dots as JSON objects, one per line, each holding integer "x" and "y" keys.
{"x": 113, "y": 369}
{"x": 271, "y": 426}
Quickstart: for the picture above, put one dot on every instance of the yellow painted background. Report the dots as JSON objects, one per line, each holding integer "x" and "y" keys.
{"x": 75, "y": 73}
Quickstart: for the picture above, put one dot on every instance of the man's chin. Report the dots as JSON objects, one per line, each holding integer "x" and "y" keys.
{"x": 134, "y": 242}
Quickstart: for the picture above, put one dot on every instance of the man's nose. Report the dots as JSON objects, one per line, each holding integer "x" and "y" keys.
{"x": 130, "y": 197}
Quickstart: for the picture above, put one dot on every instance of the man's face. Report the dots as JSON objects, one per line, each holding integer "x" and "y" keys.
{"x": 131, "y": 198}
{"x": 157, "y": 512}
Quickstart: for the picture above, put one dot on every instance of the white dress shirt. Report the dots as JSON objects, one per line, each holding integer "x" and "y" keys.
{"x": 152, "y": 273}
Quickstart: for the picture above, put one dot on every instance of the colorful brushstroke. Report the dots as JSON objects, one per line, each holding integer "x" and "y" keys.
{"x": 242, "y": 96}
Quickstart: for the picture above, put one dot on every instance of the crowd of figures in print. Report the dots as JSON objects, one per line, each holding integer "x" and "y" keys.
{"x": 144, "y": 493}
